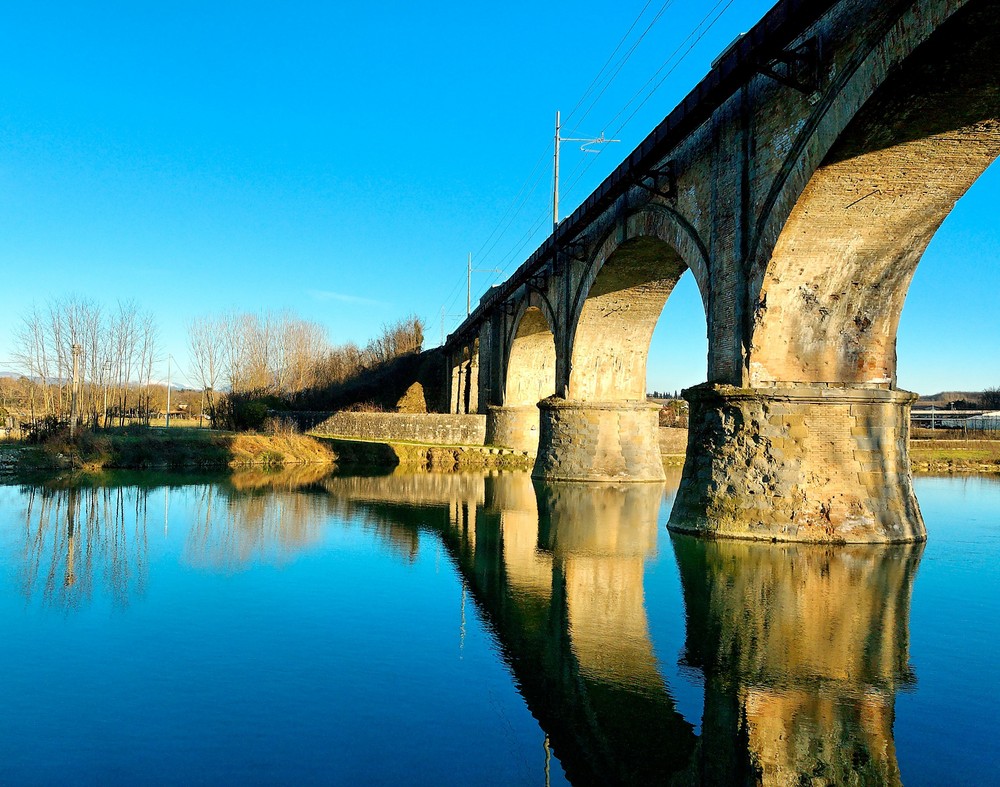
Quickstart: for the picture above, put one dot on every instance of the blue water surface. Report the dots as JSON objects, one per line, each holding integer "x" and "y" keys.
{"x": 460, "y": 629}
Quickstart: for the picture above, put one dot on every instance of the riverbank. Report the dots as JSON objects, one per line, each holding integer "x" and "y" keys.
{"x": 955, "y": 456}
{"x": 138, "y": 448}
{"x": 144, "y": 448}
{"x": 355, "y": 453}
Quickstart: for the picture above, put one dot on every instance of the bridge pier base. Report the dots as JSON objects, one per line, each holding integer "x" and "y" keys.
{"x": 798, "y": 463}
{"x": 598, "y": 441}
{"x": 513, "y": 427}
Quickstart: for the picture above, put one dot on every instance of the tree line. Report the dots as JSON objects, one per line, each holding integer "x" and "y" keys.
{"x": 273, "y": 358}
{"x": 110, "y": 352}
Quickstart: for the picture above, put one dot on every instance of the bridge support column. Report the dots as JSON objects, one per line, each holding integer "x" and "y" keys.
{"x": 513, "y": 427}
{"x": 798, "y": 463}
{"x": 598, "y": 441}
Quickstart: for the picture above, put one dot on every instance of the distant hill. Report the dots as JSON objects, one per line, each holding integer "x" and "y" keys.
{"x": 949, "y": 396}
{"x": 945, "y": 398}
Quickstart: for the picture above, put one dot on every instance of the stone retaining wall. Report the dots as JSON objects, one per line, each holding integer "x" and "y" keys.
{"x": 432, "y": 428}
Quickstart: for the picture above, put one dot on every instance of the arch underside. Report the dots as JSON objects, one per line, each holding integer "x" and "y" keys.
{"x": 531, "y": 364}
{"x": 616, "y": 322}
{"x": 830, "y": 302}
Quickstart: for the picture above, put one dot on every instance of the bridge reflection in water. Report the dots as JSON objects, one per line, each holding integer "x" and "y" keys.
{"x": 802, "y": 648}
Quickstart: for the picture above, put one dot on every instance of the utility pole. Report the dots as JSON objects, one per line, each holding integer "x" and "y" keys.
{"x": 555, "y": 178}
{"x": 168, "y": 390}
{"x": 443, "y": 316}
{"x": 74, "y": 393}
{"x": 468, "y": 296}
{"x": 586, "y": 147}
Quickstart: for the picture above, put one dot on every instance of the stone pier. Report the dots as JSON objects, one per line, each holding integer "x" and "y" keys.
{"x": 798, "y": 463}
{"x": 513, "y": 427}
{"x": 598, "y": 441}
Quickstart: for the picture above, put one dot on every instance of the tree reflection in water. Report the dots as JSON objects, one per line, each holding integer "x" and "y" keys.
{"x": 73, "y": 535}
{"x": 257, "y": 517}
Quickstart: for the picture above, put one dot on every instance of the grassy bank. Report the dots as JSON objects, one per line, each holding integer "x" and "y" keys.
{"x": 141, "y": 448}
{"x": 955, "y": 456}
{"x": 151, "y": 448}
{"x": 369, "y": 454}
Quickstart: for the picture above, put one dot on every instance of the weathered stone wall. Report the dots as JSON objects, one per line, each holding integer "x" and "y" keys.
{"x": 673, "y": 440}
{"x": 433, "y": 428}
{"x": 805, "y": 463}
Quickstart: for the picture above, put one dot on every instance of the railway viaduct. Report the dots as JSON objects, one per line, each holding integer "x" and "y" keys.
{"x": 800, "y": 183}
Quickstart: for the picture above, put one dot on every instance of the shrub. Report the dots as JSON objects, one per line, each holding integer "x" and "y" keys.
{"x": 47, "y": 428}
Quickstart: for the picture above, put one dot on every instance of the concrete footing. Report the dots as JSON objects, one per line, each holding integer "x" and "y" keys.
{"x": 513, "y": 427}
{"x": 798, "y": 463}
{"x": 598, "y": 441}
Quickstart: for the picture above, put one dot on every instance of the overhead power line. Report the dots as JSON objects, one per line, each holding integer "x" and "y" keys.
{"x": 601, "y": 83}
{"x": 625, "y": 59}
{"x": 597, "y": 79}
{"x": 698, "y": 36}
{"x": 530, "y": 185}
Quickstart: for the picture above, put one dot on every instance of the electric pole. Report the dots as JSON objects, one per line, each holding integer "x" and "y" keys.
{"x": 443, "y": 315}
{"x": 468, "y": 295}
{"x": 555, "y": 178}
{"x": 168, "y": 390}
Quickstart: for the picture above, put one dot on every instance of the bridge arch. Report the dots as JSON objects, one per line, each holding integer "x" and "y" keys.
{"x": 600, "y": 427}
{"x": 620, "y": 297}
{"x": 529, "y": 372}
{"x": 870, "y": 186}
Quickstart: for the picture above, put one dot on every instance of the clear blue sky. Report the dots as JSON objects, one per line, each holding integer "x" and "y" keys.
{"x": 342, "y": 160}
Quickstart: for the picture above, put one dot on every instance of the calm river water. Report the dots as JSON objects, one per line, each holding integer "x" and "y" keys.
{"x": 470, "y": 629}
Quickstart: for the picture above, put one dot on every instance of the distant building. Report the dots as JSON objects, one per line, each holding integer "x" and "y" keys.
{"x": 985, "y": 421}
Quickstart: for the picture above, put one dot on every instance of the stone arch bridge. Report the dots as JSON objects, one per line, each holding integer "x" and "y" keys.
{"x": 800, "y": 183}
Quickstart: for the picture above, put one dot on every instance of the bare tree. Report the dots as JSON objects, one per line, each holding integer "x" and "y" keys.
{"x": 206, "y": 352}
{"x": 32, "y": 356}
